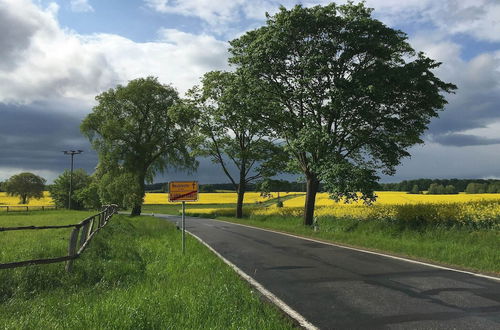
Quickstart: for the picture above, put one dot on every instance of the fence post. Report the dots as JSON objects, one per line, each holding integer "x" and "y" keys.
{"x": 91, "y": 227}
{"x": 72, "y": 248}
{"x": 84, "y": 234}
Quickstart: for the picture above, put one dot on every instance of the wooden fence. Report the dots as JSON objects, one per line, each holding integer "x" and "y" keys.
{"x": 17, "y": 208}
{"x": 79, "y": 239}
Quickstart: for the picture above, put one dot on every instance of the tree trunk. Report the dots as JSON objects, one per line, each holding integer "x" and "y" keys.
{"x": 241, "y": 196}
{"x": 23, "y": 199}
{"x": 312, "y": 189}
{"x": 137, "y": 208}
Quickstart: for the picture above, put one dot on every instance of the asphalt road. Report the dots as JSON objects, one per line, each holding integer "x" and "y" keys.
{"x": 338, "y": 288}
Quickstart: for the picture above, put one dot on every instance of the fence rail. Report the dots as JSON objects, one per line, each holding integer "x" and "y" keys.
{"x": 79, "y": 239}
{"x": 18, "y": 208}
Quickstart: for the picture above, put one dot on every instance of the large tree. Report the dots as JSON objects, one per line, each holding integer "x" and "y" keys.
{"x": 354, "y": 95}
{"x": 233, "y": 140}
{"x": 26, "y": 186}
{"x": 140, "y": 129}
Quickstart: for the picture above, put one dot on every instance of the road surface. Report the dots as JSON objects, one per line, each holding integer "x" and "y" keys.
{"x": 339, "y": 288}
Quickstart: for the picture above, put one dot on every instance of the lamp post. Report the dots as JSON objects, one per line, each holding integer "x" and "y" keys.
{"x": 72, "y": 153}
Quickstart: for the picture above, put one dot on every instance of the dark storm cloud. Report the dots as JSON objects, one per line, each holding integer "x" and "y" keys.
{"x": 446, "y": 162}
{"x": 462, "y": 140}
{"x": 475, "y": 111}
{"x": 34, "y": 139}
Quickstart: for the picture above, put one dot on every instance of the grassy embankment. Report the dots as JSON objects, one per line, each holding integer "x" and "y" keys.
{"x": 133, "y": 276}
{"x": 462, "y": 245}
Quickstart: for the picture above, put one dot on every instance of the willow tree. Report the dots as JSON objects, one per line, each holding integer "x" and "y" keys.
{"x": 227, "y": 103}
{"x": 140, "y": 130}
{"x": 354, "y": 94}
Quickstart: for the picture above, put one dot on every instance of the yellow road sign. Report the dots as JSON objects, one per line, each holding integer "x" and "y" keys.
{"x": 183, "y": 191}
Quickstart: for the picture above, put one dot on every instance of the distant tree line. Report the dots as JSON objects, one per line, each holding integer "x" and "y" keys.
{"x": 483, "y": 188}
{"x": 482, "y": 185}
{"x": 417, "y": 186}
{"x": 277, "y": 185}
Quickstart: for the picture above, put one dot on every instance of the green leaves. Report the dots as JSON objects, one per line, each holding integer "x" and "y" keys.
{"x": 141, "y": 129}
{"x": 227, "y": 104}
{"x": 80, "y": 196}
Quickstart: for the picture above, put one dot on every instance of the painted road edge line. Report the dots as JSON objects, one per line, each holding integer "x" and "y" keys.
{"x": 266, "y": 293}
{"x": 365, "y": 251}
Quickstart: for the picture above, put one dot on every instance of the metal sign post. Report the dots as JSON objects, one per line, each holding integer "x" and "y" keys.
{"x": 183, "y": 191}
{"x": 183, "y": 226}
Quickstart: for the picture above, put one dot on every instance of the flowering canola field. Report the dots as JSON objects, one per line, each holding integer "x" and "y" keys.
{"x": 464, "y": 208}
{"x": 155, "y": 198}
{"x": 46, "y": 200}
{"x": 397, "y": 198}
{"x": 212, "y": 198}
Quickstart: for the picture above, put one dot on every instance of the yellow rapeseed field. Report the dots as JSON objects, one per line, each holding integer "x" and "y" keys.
{"x": 212, "y": 198}
{"x": 46, "y": 200}
{"x": 389, "y": 205}
{"x": 154, "y": 198}
{"x": 397, "y": 198}
{"x": 401, "y": 206}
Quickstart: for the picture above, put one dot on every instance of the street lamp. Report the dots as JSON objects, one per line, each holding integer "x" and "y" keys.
{"x": 72, "y": 153}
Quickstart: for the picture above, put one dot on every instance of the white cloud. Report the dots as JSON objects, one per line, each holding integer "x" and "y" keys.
{"x": 177, "y": 57}
{"x": 81, "y": 6}
{"x": 43, "y": 62}
{"x": 477, "y": 18}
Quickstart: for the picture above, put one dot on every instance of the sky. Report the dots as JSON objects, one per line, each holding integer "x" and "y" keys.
{"x": 57, "y": 55}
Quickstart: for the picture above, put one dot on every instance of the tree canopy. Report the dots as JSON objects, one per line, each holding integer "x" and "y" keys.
{"x": 26, "y": 186}
{"x": 233, "y": 140}
{"x": 353, "y": 94}
{"x": 59, "y": 190}
{"x": 140, "y": 129}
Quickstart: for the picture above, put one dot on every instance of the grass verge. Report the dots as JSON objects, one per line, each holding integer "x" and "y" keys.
{"x": 134, "y": 276}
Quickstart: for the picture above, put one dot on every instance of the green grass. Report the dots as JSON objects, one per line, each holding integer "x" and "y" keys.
{"x": 476, "y": 250}
{"x": 134, "y": 276}
{"x": 33, "y": 244}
